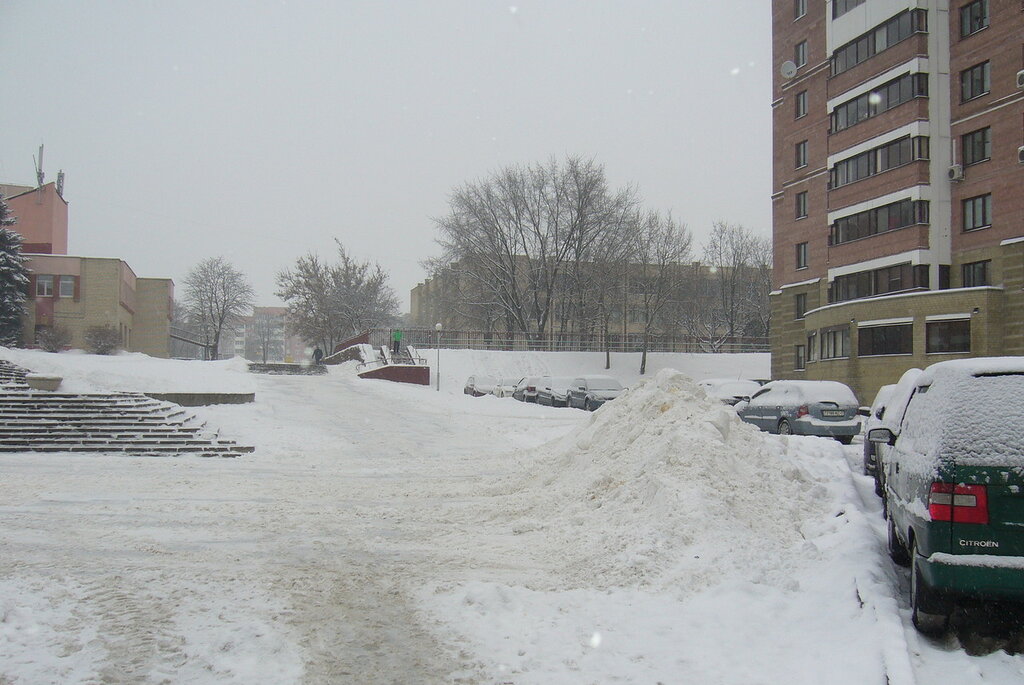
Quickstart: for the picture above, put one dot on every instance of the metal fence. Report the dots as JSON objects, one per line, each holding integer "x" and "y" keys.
{"x": 482, "y": 340}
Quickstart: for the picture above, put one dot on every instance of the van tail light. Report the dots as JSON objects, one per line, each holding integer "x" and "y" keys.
{"x": 958, "y": 503}
{"x": 802, "y": 411}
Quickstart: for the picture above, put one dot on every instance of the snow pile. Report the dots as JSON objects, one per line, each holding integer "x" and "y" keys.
{"x": 667, "y": 487}
{"x": 134, "y": 372}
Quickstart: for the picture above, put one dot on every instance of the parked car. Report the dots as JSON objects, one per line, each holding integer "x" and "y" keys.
{"x": 526, "y": 389}
{"x": 505, "y": 386}
{"x": 892, "y": 417}
{"x": 954, "y": 486}
{"x": 874, "y": 420}
{"x": 729, "y": 390}
{"x": 590, "y": 392}
{"x": 825, "y": 408}
{"x": 553, "y": 391}
{"x": 478, "y": 386}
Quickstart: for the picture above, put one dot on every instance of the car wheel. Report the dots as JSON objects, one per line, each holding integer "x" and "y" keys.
{"x": 930, "y": 610}
{"x": 785, "y": 428}
{"x": 845, "y": 439}
{"x": 897, "y": 552}
{"x": 879, "y": 487}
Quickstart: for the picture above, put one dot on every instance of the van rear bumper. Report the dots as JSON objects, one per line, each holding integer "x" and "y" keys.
{"x": 984, "y": 576}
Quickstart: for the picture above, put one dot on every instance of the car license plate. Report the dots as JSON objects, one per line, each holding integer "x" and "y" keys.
{"x": 832, "y": 413}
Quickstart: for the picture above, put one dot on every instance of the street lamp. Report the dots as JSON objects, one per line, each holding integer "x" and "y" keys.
{"x": 437, "y": 345}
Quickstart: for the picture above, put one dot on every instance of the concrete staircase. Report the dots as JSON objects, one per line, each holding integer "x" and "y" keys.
{"x": 126, "y": 423}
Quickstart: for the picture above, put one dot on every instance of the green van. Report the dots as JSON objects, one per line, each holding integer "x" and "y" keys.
{"x": 954, "y": 486}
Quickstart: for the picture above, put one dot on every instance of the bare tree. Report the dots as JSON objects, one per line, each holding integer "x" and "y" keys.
{"x": 660, "y": 246}
{"x": 328, "y": 303}
{"x": 263, "y": 329}
{"x": 510, "y": 238}
{"x": 216, "y": 296}
{"x": 731, "y": 290}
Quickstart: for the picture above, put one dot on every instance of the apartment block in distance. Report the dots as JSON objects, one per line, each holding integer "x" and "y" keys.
{"x": 898, "y": 186}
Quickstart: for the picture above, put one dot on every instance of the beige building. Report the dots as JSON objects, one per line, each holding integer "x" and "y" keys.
{"x": 78, "y": 293}
{"x": 898, "y": 214}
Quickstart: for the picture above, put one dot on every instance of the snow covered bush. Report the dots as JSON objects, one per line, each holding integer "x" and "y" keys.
{"x": 53, "y": 338}
{"x": 102, "y": 339}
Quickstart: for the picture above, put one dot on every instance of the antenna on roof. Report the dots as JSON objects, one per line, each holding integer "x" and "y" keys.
{"x": 39, "y": 167}
{"x": 60, "y": 183}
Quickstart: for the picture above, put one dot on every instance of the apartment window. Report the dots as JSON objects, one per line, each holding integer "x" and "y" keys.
{"x": 801, "y": 255}
{"x": 879, "y": 340}
{"x": 889, "y": 156}
{"x": 812, "y": 346}
{"x": 44, "y": 286}
{"x": 799, "y": 357}
{"x": 973, "y": 17}
{"x": 975, "y": 82}
{"x": 800, "y": 305}
{"x": 67, "y": 286}
{"x": 799, "y": 8}
{"x": 975, "y": 273}
{"x": 835, "y": 342}
{"x": 801, "y": 204}
{"x": 801, "y": 154}
{"x": 800, "y": 53}
{"x": 881, "y": 38}
{"x": 977, "y": 146}
{"x": 801, "y": 104}
{"x": 977, "y": 212}
{"x": 948, "y": 336}
{"x": 879, "y": 220}
{"x": 885, "y": 97}
{"x": 890, "y": 279}
{"x": 841, "y": 7}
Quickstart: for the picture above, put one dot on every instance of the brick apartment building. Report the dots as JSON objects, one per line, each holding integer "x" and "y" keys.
{"x": 77, "y": 293}
{"x": 898, "y": 186}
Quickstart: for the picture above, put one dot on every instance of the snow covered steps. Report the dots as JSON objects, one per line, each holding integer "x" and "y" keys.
{"x": 126, "y": 423}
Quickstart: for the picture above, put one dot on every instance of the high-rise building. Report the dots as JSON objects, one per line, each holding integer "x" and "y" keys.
{"x": 898, "y": 186}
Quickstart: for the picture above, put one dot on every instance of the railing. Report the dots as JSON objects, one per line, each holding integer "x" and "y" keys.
{"x": 481, "y": 340}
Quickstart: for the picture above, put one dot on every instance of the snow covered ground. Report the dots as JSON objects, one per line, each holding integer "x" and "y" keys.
{"x": 387, "y": 533}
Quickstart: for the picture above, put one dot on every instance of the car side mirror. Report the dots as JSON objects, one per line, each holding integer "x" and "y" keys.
{"x": 881, "y": 436}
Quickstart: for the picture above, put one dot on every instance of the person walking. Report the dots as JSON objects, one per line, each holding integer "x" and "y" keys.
{"x": 396, "y": 341}
{"x": 318, "y": 354}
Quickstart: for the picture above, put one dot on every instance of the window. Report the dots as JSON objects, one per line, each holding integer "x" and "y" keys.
{"x": 799, "y": 357}
{"x": 877, "y": 340}
{"x": 973, "y": 17}
{"x": 977, "y": 146}
{"x": 885, "y": 97}
{"x": 67, "y": 286}
{"x": 801, "y": 204}
{"x": 889, "y": 156}
{"x": 948, "y": 336}
{"x": 975, "y": 273}
{"x": 977, "y": 212}
{"x": 975, "y": 82}
{"x": 800, "y": 305}
{"x": 885, "y": 218}
{"x": 812, "y": 346}
{"x": 801, "y": 104}
{"x": 882, "y": 37}
{"x": 799, "y": 8}
{"x": 841, "y": 7}
{"x": 882, "y": 281}
{"x": 835, "y": 342}
{"x": 44, "y": 286}
{"x": 801, "y": 255}
{"x": 801, "y": 154}
{"x": 800, "y": 53}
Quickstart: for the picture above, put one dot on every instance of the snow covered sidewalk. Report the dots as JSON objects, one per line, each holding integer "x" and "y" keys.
{"x": 385, "y": 533}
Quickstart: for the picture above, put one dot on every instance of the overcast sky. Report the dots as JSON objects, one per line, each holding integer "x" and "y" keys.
{"x": 262, "y": 130}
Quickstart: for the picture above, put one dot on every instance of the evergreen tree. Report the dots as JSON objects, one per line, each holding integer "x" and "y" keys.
{"x": 13, "y": 280}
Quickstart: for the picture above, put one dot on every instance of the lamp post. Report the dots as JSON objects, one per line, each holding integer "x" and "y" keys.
{"x": 437, "y": 345}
